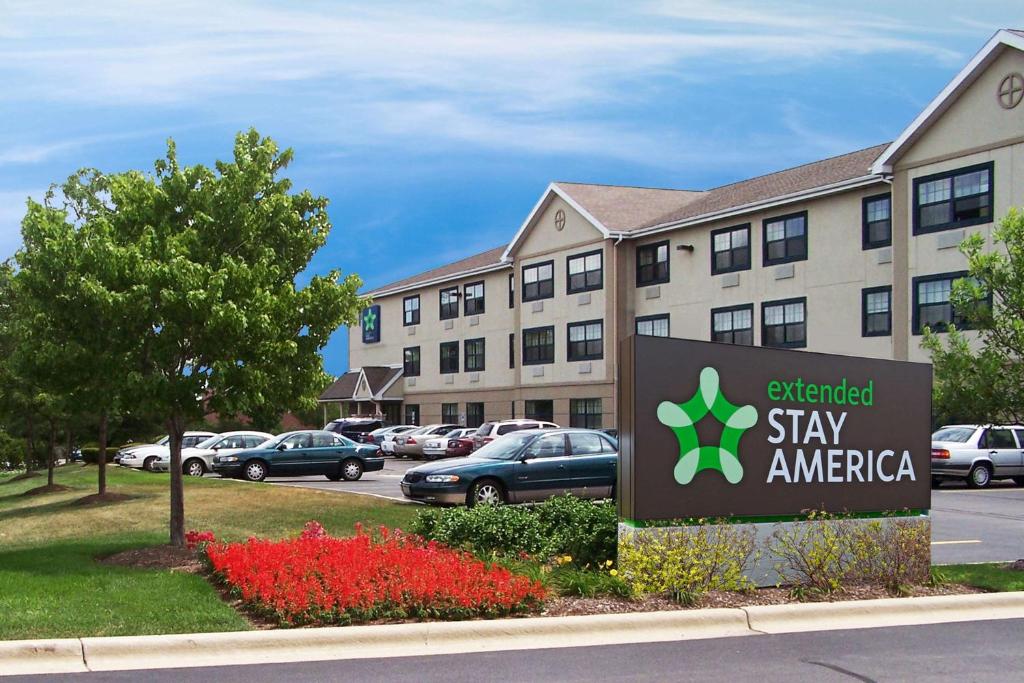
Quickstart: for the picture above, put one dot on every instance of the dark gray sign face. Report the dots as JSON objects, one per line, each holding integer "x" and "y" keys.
{"x": 719, "y": 430}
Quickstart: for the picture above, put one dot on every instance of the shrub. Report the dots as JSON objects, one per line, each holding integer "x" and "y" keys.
{"x": 836, "y": 552}
{"x": 564, "y": 526}
{"x": 91, "y": 454}
{"x": 318, "y": 579}
{"x": 688, "y": 562}
{"x": 815, "y": 555}
{"x": 12, "y": 452}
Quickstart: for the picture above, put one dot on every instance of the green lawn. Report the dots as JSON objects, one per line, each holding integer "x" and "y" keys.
{"x": 992, "y": 576}
{"x": 51, "y": 586}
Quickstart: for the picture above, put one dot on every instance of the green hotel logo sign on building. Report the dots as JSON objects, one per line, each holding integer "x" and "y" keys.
{"x": 721, "y": 430}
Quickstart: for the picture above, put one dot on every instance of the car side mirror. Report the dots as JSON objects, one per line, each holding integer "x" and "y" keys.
{"x": 282, "y": 446}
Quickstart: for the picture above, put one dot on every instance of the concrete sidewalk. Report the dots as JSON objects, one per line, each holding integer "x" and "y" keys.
{"x": 430, "y": 638}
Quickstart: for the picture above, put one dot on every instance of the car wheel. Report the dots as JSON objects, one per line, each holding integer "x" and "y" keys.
{"x": 936, "y": 482}
{"x": 980, "y": 477}
{"x": 351, "y": 469}
{"x": 147, "y": 464}
{"x": 254, "y": 471}
{"x": 485, "y": 492}
{"x": 429, "y": 456}
{"x": 194, "y": 468}
{"x": 1019, "y": 481}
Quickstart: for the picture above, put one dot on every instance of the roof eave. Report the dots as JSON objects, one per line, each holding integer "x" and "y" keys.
{"x": 437, "y": 280}
{"x": 1002, "y": 38}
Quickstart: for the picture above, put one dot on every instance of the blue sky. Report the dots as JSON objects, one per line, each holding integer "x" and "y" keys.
{"x": 433, "y": 128}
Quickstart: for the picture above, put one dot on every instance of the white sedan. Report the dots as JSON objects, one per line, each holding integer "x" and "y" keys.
{"x": 198, "y": 460}
{"x": 143, "y": 457}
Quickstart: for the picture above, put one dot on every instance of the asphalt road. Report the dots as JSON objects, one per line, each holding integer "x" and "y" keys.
{"x": 966, "y": 651}
{"x": 967, "y": 525}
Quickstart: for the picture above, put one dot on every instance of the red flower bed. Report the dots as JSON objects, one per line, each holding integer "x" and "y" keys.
{"x": 318, "y": 579}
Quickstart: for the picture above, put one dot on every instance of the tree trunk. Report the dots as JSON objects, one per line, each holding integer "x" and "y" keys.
{"x": 101, "y": 463}
{"x": 51, "y": 456}
{"x": 30, "y": 461}
{"x": 68, "y": 439}
{"x": 175, "y": 430}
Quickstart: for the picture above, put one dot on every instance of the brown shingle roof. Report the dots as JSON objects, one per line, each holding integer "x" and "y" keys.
{"x": 378, "y": 376}
{"x": 342, "y": 388}
{"x": 624, "y": 208}
{"x": 486, "y": 258}
{"x": 762, "y": 188}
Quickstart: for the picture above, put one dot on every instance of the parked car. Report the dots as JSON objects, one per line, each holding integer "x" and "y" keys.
{"x": 387, "y": 441}
{"x": 198, "y": 460}
{"x": 978, "y": 454}
{"x": 489, "y": 431}
{"x": 354, "y": 428}
{"x": 128, "y": 448}
{"x": 300, "y": 454}
{"x": 410, "y": 444}
{"x": 528, "y": 465}
{"x": 377, "y": 435}
{"x": 448, "y": 445}
{"x": 143, "y": 457}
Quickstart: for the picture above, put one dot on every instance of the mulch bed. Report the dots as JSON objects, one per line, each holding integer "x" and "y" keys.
{"x": 39, "y": 490}
{"x": 102, "y": 499}
{"x": 158, "y": 557}
{"x": 22, "y": 477}
{"x": 572, "y": 606}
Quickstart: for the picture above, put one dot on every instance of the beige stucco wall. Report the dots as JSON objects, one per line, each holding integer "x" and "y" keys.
{"x": 836, "y": 270}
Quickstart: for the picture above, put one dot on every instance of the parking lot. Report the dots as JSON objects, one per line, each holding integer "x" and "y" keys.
{"x": 967, "y": 525}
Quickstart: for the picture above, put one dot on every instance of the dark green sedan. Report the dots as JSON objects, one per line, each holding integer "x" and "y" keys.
{"x": 301, "y": 454}
{"x": 519, "y": 467}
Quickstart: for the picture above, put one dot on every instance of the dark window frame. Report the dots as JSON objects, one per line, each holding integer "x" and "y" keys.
{"x": 546, "y": 417}
{"x": 548, "y": 358}
{"x": 866, "y": 242}
{"x": 473, "y": 420}
{"x": 960, "y": 322}
{"x": 406, "y": 362}
{"x": 441, "y": 365}
{"x": 410, "y": 410}
{"x": 569, "y": 289}
{"x": 864, "y": 332}
{"x": 765, "y": 260}
{"x": 655, "y": 278}
{"x": 732, "y": 309}
{"x": 954, "y": 224}
{"x": 587, "y": 417}
{"x": 653, "y": 318}
{"x": 540, "y": 295}
{"x": 405, "y": 311}
{"x": 466, "y": 298}
{"x": 764, "y": 326}
{"x": 446, "y": 415}
{"x": 511, "y": 350}
{"x": 482, "y": 356}
{"x": 512, "y": 290}
{"x": 715, "y": 270}
{"x": 453, "y": 306}
{"x": 587, "y": 354}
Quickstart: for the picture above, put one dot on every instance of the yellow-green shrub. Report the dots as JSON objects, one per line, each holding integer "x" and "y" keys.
{"x": 687, "y": 562}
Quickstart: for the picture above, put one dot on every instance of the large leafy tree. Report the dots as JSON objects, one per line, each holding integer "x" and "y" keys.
{"x": 981, "y": 379}
{"x": 215, "y": 255}
{"x": 84, "y": 316}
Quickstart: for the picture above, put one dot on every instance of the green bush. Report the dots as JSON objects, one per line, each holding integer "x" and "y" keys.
{"x": 91, "y": 454}
{"x": 689, "y": 561}
{"x": 12, "y": 452}
{"x": 563, "y": 526}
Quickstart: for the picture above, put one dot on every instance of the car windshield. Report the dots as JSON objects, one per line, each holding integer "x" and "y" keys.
{"x": 504, "y": 448}
{"x": 164, "y": 441}
{"x": 484, "y": 429}
{"x": 954, "y": 434}
{"x": 210, "y": 442}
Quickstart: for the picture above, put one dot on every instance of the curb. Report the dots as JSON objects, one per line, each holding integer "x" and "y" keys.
{"x": 431, "y": 638}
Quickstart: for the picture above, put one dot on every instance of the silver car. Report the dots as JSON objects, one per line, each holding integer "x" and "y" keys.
{"x": 978, "y": 454}
{"x": 198, "y": 460}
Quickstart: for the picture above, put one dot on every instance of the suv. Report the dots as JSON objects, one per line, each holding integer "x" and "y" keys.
{"x": 978, "y": 454}
{"x": 355, "y": 428}
{"x": 489, "y": 431}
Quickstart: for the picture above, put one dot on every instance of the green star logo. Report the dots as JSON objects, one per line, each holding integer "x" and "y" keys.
{"x": 369, "y": 319}
{"x": 682, "y": 418}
